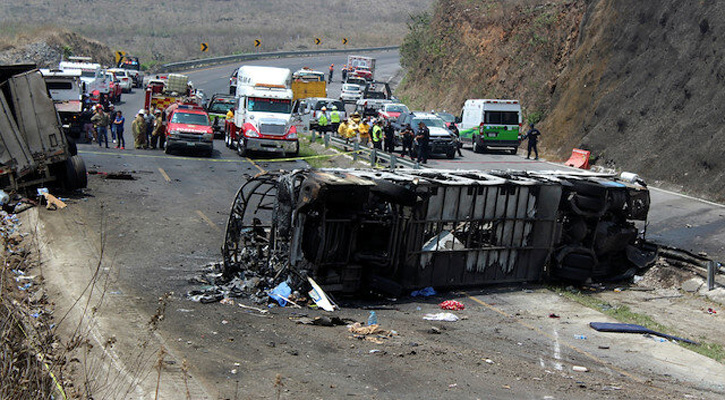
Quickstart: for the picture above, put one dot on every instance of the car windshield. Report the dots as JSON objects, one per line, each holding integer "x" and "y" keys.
{"x": 398, "y": 108}
{"x": 351, "y": 88}
{"x": 221, "y": 106}
{"x": 88, "y": 74}
{"x": 269, "y": 105}
{"x": 429, "y": 122}
{"x": 189, "y": 118}
{"x": 446, "y": 117}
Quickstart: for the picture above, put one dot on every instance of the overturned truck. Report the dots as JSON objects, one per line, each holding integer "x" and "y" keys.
{"x": 353, "y": 229}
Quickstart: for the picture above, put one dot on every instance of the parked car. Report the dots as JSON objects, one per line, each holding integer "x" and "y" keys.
{"x": 188, "y": 127}
{"x": 305, "y": 112}
{"x": 392, "y": 111}
{"x": 114, "y": 87}
{"x": 350, "y": 93}
{"x": 357, "y": 81}
{"x": 123, "y": 77}
{"x": 442, "y": 141}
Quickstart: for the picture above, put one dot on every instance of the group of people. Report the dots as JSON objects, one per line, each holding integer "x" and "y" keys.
{"x": 378, "y": 133}
{"x": 147, "y": 129}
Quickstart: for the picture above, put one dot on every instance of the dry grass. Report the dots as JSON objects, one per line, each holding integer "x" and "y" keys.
{"x": 173, "y": 30}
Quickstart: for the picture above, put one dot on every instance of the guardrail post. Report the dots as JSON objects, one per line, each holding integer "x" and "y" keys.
{"x": 373, "y": 157}
{"x": 392, "y": 161}
{"x": 327, "y": 140}
{"x": 711, "y": 268}
{"x": 417, "y": 165}
{"x": 355, "y": 149}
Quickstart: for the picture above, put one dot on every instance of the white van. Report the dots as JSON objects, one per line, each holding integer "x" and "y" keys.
{"x": 491, "y": 124}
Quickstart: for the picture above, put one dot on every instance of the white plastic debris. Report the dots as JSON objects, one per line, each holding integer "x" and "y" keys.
{"x": 443, "y": 316}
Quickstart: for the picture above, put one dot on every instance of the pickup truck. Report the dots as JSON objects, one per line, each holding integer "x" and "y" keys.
{"x": 217, "y": 108}
{"x": 36, "y": 150}
{"x": 442, "y": 141}
{"x": 133, "y": 68}
{"x": 188, "y": 128}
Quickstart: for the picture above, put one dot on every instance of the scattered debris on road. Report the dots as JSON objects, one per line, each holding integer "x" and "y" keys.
{"x": 633, "y": 328}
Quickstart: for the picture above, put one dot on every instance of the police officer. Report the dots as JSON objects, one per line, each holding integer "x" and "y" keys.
{"x": 389, "y": 136}
{"x": 533, "y": 137}
{"x": 406, "y": 136}
{"x": 423, "y": 139}
{"x": 334, "y": 119}
{"x": 454, "y": 129}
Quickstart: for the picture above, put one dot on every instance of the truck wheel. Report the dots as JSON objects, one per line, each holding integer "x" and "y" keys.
{"x": 241, "y": 148}
{"x": 167, "y": 149}
{"x": 476, "y": 149}
{"x": 451, "y": 154}
{"x": 74, "y": 176}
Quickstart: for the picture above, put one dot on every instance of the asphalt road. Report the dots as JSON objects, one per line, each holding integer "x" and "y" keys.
{"x": 160, "y": 229}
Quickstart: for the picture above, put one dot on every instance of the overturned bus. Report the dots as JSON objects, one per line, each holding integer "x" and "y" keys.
{"x": 354, "y": 229}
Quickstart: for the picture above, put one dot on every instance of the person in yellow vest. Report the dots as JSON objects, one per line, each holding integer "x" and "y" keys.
{"x": 230, "y": 114}
{"x": 323, "y": 124}
{"x": 364, "y": 132}
{"x": 334, "y": 119}
{"x": 353, "y": 127}
{"x": 377, "y": 135}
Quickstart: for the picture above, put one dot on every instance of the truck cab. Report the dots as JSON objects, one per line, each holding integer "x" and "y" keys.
{"x": 65, "y": 88}
{"x": 92, "y": 75}
{"x": 263, "y": 111}
{"x": 217, "y": 109}
{"x": 188, "y": 128}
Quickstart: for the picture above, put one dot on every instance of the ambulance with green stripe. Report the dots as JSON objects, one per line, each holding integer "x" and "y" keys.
{"x": 489, "y": 124}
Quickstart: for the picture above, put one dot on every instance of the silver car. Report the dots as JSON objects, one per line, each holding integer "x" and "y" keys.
{"x": 350, "y": 93}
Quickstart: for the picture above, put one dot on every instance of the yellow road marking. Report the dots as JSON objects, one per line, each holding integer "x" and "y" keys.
{"x": 207, "y": 220}
{"x": 572, "y": 347}
{"x": 261, "y": 170}
{"x": 166, "y": 176}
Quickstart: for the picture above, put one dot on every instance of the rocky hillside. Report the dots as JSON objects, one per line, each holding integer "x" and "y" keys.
{"x": 45, "y": 48}
{"x": 637, "y": 83}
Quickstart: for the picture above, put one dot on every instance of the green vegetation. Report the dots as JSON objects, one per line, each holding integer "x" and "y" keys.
{"x": 624, "y": 314}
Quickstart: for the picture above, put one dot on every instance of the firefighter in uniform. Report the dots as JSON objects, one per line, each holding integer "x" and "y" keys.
{"x": 139, "y": 130}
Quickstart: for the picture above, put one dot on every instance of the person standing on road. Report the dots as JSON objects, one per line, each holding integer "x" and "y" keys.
{"x": 377, "y": 135}
{"x": 322, "y": 122}
{"x": 118, "y": 123}
{"x": 343, "y": 71}
{"x": 139, "y": 130}
{"x": 101, "y": 120}
{"x": 423, "y": 139}
{"x": 533, "y": 137}
{"x": 157, "y": 137}
{"x": 455, "y": 131}
{"x": 149, "y": 119}
{"x": 364, "y": 131}
{"x": 389, "y": 136}
{"x": 332, "y": 71}
{"x": 407, "y": 138}
{"x": 334, "y": 119}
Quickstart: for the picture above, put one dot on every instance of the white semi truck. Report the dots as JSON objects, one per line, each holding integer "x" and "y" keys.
{"x": 262, "y": 113}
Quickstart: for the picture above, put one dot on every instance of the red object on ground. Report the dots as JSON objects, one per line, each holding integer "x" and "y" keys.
{"x": 579, "y": 159}
{"x": 452, "y": 305}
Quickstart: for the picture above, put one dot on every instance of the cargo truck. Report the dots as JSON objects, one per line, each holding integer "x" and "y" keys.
{"x": 263, "y": 110}
{"x": 65, "y": 88}
{"x": 37, "y": 151}
{"x": 361, "y": 66}
{"x": 308, "y": 83}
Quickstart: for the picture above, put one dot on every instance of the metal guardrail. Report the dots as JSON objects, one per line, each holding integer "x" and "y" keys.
{"x": 272, "y": 54}
{"x": 376, "y": 157}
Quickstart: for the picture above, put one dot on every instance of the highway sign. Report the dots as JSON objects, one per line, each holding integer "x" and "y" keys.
{"x": 344, "y": 40}
{"x": 257, "y": 42}
{"x": 119, "y": 55}
{"x": 204, "y": 46}
{"x": 318, "y": 41}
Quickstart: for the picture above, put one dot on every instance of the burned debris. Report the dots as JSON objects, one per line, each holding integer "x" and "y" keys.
{"x": 353, "y": 229}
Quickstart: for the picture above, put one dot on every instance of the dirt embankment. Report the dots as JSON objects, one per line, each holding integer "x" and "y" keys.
{"x": 45, "y": 48}
{"x": 638, "y": 83}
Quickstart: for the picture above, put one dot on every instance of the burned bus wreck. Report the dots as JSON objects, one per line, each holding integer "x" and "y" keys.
{"x": 354, "y": 229}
